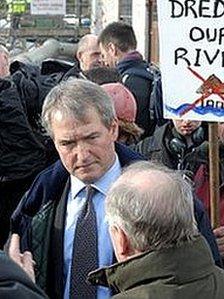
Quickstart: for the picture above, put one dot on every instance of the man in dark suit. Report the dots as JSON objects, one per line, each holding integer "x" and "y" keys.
{"x": 80, "y": 118}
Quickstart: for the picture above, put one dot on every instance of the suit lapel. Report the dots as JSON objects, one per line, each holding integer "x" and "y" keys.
{"x": 57, "y": 244}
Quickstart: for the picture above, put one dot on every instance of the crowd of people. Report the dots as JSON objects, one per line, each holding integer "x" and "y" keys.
{"x": 99, "y": 199}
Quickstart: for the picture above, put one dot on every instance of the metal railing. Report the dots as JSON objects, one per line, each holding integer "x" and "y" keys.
{"x": 19, "y": 31}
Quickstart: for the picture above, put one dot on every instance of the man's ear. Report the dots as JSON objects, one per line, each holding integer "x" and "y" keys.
{"x": 112, "y": 49}
{"x": 121, "y": 243}
{"x": 79, "y": 55}
{"x": 115, "y": 129}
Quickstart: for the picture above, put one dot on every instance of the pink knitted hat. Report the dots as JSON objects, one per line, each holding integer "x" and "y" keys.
{"x": 124, "y": 101}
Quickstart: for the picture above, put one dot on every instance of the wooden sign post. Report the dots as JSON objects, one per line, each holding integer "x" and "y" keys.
{"x": 214, "y": 174}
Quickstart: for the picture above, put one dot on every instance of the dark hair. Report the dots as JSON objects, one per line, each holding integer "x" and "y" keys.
{"x": 103, "y": 75}
{"x": 120, "y": 34}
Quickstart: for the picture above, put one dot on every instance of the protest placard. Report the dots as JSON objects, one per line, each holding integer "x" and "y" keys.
{"x": 191, "y": 35}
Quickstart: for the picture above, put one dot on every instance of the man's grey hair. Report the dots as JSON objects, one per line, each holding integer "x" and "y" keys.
{"x": 153, "y": 205}
{"x": 75, "y": 98}
{"x": 85, "y": 41}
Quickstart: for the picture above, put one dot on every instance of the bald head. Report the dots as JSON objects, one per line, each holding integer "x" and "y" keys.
{"x": 153, "y": 205}
{"x": 88, "y": 52}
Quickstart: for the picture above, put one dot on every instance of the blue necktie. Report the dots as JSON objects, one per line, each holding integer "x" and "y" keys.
{"x": 85, "y": 251}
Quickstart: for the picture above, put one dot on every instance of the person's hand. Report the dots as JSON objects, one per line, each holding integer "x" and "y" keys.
{"x": 24, "y": 260}
{"x": 219, "y": 233}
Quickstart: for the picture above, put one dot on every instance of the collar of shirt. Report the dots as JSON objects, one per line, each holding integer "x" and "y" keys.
{"x": 102, "y": 185}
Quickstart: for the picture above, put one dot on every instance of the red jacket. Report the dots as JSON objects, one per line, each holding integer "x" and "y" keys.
{"x": 201, "y": 180}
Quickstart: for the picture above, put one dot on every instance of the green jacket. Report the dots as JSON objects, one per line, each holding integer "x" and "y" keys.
{"x": 40, "y": 235}
{"x": 185, "y": 272}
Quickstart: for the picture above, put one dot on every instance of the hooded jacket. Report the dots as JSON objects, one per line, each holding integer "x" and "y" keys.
{"x": 183, "y": 272}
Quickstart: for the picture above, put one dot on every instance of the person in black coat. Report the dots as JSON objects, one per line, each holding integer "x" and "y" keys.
{"x": 24, "y": 149}
{"x": 15, "y": 283}
{"x": 86, "y": 145}
{"x": 118, "y": 49}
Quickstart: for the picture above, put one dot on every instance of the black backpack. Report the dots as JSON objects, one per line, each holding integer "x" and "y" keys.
{"x": 151, "y": 73}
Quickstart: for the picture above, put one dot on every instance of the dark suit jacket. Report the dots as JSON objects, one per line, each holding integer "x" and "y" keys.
{"x": 52, "y": 185}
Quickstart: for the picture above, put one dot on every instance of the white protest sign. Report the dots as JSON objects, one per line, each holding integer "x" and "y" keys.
{"x": 48, "y": 7}
{"x": 191, "y": 37}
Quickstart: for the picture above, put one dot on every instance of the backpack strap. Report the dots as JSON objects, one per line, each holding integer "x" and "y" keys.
{"x": 144, "y": 73}
{"x": 147, "y": 74}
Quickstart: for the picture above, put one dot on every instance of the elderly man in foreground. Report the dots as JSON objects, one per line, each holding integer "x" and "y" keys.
{"x": 161, "y": 254}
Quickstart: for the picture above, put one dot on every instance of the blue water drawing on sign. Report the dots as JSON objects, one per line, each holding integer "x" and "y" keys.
{"x": 202, "y": 110}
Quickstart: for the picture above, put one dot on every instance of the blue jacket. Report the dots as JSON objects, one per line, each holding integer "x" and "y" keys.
{"x": 49, "y": 185}
{"x": 40, "y": 211}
